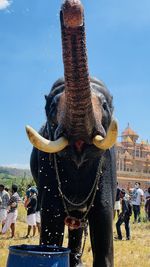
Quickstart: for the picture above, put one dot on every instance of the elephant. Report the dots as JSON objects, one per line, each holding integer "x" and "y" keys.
{"x": 73, "y": 157}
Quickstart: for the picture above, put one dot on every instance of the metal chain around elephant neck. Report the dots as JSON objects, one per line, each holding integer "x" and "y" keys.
{"x": 92, "y": 191}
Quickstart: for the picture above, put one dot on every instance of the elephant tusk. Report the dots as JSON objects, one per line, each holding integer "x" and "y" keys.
{"x": 43, "y": 144}
{"x": 110, "y": 139}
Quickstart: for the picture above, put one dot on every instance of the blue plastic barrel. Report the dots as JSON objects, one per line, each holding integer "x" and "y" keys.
{"x": 38, "y": 256}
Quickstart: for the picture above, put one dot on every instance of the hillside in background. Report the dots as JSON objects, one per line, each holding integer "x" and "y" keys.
{"x": 14, "y": 172}
{"x": 21, "y": 177}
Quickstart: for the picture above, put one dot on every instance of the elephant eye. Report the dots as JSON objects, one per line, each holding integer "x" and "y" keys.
{"x": 52, "y": 107}
{"x": 104, "y": 106}
{"x": 52, "y": 112}
{"x": 54, "y": 104}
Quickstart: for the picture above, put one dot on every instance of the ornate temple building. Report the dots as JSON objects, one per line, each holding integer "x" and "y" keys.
{"x": 133, "y": 159}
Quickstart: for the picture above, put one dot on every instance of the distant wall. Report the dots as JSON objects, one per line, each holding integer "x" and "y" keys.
{"x": 127, "y": 179}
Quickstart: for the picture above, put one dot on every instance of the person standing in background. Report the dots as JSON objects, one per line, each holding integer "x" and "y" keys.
{"x": 27, "y": 196}
{"x": 147, "y": 204}
{"x": 12, "y": 212}
{"x": 38, "y": 215}
{"x": 4, "y": 199}
{"x": 31, "y": 212}
{"x": 124, "y": 216}
{"x": 137, "y": 197}
{"x": 117, "y": 202}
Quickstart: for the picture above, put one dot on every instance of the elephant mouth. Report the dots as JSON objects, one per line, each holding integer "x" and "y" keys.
{"x": 45, "y": 145}
{"x": 79, "y": 145}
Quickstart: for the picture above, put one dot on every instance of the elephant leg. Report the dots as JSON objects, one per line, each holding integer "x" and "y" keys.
{"x": 74, "y": 243}
{"x": 101, "y": 234}
{"x": 52, "y": 227}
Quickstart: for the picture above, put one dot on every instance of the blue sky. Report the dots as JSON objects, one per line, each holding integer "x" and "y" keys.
{"x": 118, "y": 43}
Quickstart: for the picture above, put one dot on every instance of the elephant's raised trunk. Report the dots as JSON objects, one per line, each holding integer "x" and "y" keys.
{"x": 75, "y": 113}
{"x": 79, "y": 115}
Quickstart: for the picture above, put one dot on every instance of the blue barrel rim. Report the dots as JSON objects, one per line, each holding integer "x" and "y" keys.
{"x": 31, "y": 250}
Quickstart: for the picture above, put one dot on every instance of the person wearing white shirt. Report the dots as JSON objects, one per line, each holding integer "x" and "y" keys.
{"x": 4, "y": 200}
{"x": 136, "y": 200}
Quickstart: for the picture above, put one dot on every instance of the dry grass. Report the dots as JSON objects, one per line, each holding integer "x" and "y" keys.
{"x": 133, "y": 253}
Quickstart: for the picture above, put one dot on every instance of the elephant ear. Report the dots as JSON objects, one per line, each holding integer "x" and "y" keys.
{"x": 101, "y": 87}
{"x": 46, "y": 97}
{"x": 57, "y": 88}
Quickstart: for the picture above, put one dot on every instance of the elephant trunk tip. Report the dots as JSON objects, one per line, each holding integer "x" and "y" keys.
{"x": 72, "y": 13}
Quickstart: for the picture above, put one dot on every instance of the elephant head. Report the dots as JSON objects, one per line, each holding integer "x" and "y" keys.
{"x": 79, "y": 109}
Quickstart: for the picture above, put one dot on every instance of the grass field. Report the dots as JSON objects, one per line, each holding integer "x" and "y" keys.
{"x": 133, "y": 253}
